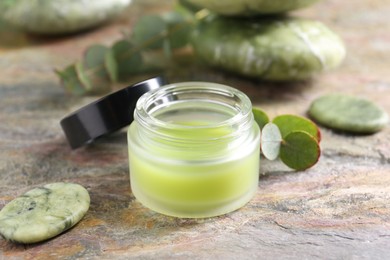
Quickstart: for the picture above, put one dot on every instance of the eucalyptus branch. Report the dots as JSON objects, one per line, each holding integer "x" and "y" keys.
{"x": 102, "y": 66}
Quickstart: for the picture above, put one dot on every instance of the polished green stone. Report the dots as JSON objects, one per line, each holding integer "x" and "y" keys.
{"x": 59, "y": 16}
{"x": 43, "y": 212}
{"x": 277, "y": 48}
{"x": 348, "y": 113}
{"x": 252, "y": 7}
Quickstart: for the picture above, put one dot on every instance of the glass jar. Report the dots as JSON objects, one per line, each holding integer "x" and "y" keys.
{"x": 194, "y": 150}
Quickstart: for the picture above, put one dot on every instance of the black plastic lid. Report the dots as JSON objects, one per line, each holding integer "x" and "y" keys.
{"x": 107, "y": 114}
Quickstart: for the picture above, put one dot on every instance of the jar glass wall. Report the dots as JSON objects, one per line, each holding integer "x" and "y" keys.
{"x": 194, "y": 150}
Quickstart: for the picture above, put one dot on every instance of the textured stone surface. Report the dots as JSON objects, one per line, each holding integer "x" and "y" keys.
{"x": 43, "y": 212}
{"x": 338, "y": 209}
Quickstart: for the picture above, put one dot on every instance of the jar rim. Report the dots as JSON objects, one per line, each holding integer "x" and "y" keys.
{"x": 145, "y": 116}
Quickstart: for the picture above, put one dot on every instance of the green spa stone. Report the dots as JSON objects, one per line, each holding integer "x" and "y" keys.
{"x": 348, "y": 113}
{"x": 59, "y": 16}
{"x": 43, "y": 212}
{"x": 276, "y": 49}
{"x": 251, "y": 7}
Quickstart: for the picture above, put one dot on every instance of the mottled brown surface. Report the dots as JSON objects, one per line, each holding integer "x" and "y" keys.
{"x": 340, "y": 209}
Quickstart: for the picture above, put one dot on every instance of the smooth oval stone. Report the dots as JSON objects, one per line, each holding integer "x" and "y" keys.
{"x": 44, "y": 212}
{"x": 348, "y": 113}
{"x": 278, "y": 48}
{"x": 252, "y": 7}
{"x": 59, "y": 16}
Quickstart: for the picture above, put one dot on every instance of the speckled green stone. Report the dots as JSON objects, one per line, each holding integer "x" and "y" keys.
{"x": 278, "y": 48}
{"x": 59, "y": 16}
{"x": 252, "y": 7}
{"x": 44, "y": 212}
{"x": 348, "y": 113}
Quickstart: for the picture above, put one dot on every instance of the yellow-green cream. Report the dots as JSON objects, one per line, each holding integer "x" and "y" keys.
{"x": 197, "y": 178}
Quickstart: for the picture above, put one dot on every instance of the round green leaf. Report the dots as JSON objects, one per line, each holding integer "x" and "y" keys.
{"x": 290, "y": 123}
{"x": 348, "y": 113}
{"x": 111, "y": 65}
{"x": 148, "y": 32}
{"x": 270, "y": 141}
{"x": 179, "y": 29}
{"x": 260, "y": 117}
{"x": 71, "y": 81}
{"x": 128, "y": 59}
{"x": 299, "y": 150}
{"x": 94, "y": 57}
{"x": 95, "y": 70}
{"x": 83, "y": 77}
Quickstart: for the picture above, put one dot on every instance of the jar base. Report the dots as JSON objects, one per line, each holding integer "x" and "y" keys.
{"x": 214, "y": 210}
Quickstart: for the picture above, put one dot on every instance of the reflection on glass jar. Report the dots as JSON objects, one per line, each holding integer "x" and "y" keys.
{"x": 194, "y": 150}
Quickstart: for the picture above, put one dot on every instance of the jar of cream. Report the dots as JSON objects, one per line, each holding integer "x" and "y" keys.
{"x": 194, "y": 150}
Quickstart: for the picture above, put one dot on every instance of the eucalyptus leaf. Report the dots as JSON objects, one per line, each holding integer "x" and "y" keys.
{"x": 148, "y": 32}
{"x": 260, "y": 117}
{"x": 81, "y": 74}
{"x": 111, "y": 65}
{"x": 179, "y": 29}
{"x": 167, "y": 49}
{"x": 71, "y": 82}
{"x": 94, "y": 64}
{"x": 271, "y": 139}
{"x": 290, "y": 123}
{"x": 128, "y": 60}
{"x": 299, "y": 150}
{"x": 94, "y": 57}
